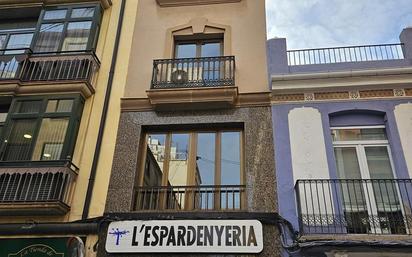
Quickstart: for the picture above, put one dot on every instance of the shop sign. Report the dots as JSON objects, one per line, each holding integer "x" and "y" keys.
{"x": 41, "y": 247}
{"x": 185, "y": 236}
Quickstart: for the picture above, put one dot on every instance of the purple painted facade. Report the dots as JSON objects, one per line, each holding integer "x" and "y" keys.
{"x": 284, "y": 64}
{"x": 379, "y": 110}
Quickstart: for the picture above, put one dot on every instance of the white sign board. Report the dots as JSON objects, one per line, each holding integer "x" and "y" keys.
{"x": 185, "y": 236}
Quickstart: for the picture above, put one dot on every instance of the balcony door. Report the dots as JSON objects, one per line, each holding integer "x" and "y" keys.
{"x": 370, "y": 196}
{"x": 205, "y": 67}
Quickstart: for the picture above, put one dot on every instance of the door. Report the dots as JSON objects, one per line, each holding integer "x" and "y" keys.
{"x": 206, "y": 69}
{"x": 370, "y": 195}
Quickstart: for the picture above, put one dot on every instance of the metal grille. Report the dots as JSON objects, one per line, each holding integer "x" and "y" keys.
{"x": 345, "y": 54}
{"x": 36, "y": 186}
{"x": 359, "y": 206}
{"x": 194, "y": 72}
{"x": 227, "y": 197}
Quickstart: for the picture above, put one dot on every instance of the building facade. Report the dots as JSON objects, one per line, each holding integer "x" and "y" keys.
{"x": 342, "y": 135}
{"x": 193, "y": 149}
{"x": 57, "y": 88}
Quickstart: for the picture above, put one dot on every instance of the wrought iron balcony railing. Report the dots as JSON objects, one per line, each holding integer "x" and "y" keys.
{"x": 193, "y": 72}
{"x": 37, "y": 185}
{"x": 345, "y": 54}
{"x": 23, "y": 65}
{"x": 225, "y": 197}
{"x": 356, "y": 206}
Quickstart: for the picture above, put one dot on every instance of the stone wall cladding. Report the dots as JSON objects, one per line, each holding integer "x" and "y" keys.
{"x": 259, "y": 164}
{"x": 259, "y": 153}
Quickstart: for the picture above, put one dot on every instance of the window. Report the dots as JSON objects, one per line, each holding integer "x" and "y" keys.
{"x": 68, "y": 29}
{"x": 4, "y": 109}
{"x": 41, "y": 129}
{"x": 17, "y": 27}
{"x": 370, "y": 196}
{"x": 192, "y": 170}
{"x": 16, "y": 33}
{"x": 199, "y": 48}
{"x": 207, "y": 69}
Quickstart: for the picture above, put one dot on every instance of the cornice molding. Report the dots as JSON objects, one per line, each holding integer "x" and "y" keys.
{"x": 341, "y": 80}
{"x": 355, "y": 95}
{"x": 19, "y": 3}
{"x": 31, "y": 88}
{"x": 174, "y": 3}
{"x": 243, "y": 100}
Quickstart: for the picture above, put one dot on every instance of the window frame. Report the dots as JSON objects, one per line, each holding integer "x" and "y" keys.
{"x": 192, "y": 153}
{"x": 74, "y": 118}
{"x": 198, "y": 42}
{"x": 94, "y": 29}
{"x": 360, "y": 149}
{"x": 10, "y": 33}
{"x": 357, "y": 142}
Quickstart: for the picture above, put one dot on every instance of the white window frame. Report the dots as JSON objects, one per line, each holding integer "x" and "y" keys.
{"x": 360, "y": 146}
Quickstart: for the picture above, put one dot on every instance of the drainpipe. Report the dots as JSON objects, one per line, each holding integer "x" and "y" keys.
{"x": 71, "y": 228}
{"x": 103, "y": 118}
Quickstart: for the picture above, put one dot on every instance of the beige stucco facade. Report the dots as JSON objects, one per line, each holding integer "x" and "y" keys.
{"x": 157, "y": 26}
{"x": 90, "y": 121}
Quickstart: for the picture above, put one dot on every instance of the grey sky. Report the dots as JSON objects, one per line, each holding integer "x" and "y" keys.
{"x": 324, "y": 23}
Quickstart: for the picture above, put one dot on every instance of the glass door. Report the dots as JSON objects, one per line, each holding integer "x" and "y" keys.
{"x": 204, "y": 70}
{"x": 370, "y": 196}
{"x": 387, "y": 212}
{"x": 354, "y": 204}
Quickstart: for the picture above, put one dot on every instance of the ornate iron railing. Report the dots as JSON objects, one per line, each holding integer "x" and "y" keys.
{"x": 37, "y": 184}
{"x": 193, "y": 72}
{"x": 358, "y": 206}
{"x": 23, "y": 65}
{"x": 225, "y": 197}
{"x": 345, "y": 54}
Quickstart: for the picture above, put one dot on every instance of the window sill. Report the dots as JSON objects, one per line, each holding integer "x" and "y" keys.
{"x": 170, "y": 3}
{"x": 38, "y": 164}
{"x": 35, "y": 208}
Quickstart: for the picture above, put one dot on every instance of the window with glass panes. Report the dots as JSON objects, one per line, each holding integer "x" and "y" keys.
{"x": 364, "y": 161}
{"x": 192, "y": 170}
{"x": 68, "y": 28}
{"x": 202, "y": 48}
{"x": 41, "y": 128}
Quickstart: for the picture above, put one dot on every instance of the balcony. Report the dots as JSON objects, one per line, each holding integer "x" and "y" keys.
{"x": 47, "y": 72}
{"x": 45, "y": 189}
{"x": 195, "y": 82}
{"x": 190, "y": 198}
{"x": 355, "y": 206}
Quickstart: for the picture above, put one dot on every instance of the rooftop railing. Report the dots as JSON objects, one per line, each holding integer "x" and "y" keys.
{"x": 346, "y": 54}
{"x": 225, "y": 197}
{"x": 23, "y": 65}
{"x": 193, "y": 72}
{"x": 354, "y": 206}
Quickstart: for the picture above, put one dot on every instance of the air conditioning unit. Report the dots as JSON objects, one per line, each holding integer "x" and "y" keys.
{"x": 179, "y": 76}
{"x": 182, "y": 75}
